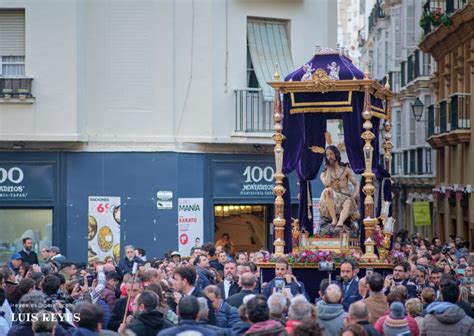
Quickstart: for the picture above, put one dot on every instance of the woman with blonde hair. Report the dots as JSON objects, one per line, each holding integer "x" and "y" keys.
{"x": 414, "y": 307}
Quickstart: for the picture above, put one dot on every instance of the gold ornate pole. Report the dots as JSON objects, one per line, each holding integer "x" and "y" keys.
{"x": 387, "y": 136}
{"x": 369, "y": 221}
{"x": 279, "y": 215}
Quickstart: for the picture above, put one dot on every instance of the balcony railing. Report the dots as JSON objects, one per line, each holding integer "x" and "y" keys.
{"x": 413, "y": 162}
{"x": 460, "y": 118}
{"x": 15, "y": 87}
{"x": 252, "y": 112}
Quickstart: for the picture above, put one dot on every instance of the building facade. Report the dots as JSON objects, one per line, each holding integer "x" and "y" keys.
{"x": 449, "y": 39}
{"x": 391, "y": 48}
{"x": 140, "y": 101}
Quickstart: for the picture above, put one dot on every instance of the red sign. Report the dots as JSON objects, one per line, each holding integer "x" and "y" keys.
{"x": 183, "y": 239}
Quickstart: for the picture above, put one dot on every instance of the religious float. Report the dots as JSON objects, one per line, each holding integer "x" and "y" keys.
{"x": 355, "y": 205}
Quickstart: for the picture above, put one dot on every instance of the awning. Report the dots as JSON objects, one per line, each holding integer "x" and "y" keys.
{"x": 268, "y": 43}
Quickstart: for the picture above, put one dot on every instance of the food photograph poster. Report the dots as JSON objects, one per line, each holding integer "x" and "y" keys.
{"x": 104, "y": 227}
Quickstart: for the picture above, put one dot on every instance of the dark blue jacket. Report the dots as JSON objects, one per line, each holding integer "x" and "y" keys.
{"x": 187, "y": 325}
{"x": 351, "y": 294}
{"x": 227, "y": 316}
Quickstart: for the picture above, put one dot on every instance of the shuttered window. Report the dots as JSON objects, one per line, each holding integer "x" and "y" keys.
{"x": 268, "y": 43}
{"x": 12, "y": 32}
{"x": 12, "y": 42}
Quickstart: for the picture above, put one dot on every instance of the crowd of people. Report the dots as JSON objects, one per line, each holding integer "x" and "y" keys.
{"x": 219, "y": 292}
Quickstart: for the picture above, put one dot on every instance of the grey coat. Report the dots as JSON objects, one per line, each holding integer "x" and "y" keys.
{"x": 446, "y": 319}
{"x": 331, "y": 317}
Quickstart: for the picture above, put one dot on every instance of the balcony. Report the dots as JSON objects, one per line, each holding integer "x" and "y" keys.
{"x": 450, "y": 124}
{"x": 438, "y": 12}
{"x": 252, "y": 113}
{"x": 16, "y": 90}
{"x": 375, "y": 14}
{"x": 414, "y": 166}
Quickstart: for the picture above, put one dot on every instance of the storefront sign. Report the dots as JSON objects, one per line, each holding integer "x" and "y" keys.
{"x": 421, "y": 213}
{"x": 104, "y": 227}
{"x": 26, "y": 182}
{"x": 243, "y": 179}
{"x": 190, "y": 224}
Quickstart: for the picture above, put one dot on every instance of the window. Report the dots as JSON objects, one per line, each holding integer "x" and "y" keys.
{"x": 12, "y": 66}
{"x": 16, "y": 224}
{"x": 12, "y": 43}
{"x": 410, "y": 24}
{"x": 428, "y": 169}
{"x": 268, "y": 43}
{"x": 398, "y": 125}
{"x": 405, "y": 163}
{"x": 412, "y": 161}
{"x": 419, "y": 161}
{"x": 412, "y": 126}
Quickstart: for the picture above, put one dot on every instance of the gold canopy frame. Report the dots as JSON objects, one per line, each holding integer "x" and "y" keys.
{"x": 320, "y": 82}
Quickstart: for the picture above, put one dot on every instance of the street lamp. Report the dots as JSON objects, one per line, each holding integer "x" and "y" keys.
{"x": 417, "y": 109}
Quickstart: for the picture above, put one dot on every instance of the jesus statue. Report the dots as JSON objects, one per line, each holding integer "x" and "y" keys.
{"x": 338, "y": 202}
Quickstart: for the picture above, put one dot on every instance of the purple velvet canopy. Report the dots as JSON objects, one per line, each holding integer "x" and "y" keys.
{"x": 304, "y": 125}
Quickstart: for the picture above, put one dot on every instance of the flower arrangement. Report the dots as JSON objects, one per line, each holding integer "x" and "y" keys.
{"x": 435, "y": 17}
{"x": 309, "y": 257}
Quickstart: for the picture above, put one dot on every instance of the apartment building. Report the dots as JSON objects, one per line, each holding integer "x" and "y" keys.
{"x": 154, "y": 104}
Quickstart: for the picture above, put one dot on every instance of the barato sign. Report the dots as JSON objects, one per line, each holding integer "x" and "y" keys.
{"x": 26, "y": 182}
{"x": 190, "y": 224}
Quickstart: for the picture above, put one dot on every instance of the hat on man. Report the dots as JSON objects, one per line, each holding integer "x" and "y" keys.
{"x": 54, "y": 249}
{"x": 17, "y": 256}
{"x": 175, "y": 253}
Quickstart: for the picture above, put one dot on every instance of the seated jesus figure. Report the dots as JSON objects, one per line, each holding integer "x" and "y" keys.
{"x": 337, "y": 202}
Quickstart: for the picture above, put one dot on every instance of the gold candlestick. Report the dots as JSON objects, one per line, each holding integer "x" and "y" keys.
{"x": 279, "y": 215}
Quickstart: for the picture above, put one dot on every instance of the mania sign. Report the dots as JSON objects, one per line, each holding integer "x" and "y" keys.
{"x": 190, "y": 224}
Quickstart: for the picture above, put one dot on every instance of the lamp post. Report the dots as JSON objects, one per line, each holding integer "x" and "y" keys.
{"x": 417, "y": 108}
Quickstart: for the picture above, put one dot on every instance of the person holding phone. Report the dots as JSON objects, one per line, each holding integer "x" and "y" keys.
{"x": 284, "y": 279}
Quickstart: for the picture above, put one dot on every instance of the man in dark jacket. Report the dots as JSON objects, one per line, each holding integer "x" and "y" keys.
{"x": 284, "y": 280}
{"x": 148, "y": 321}
{"x": 90, "y": 322}
{"x": 226, "y": 315}
{"x": 27, "y": 254}
{"x": 185, "y": 279}
{"x": 228, "y": 286}
{"x": 359, "y": 314}
{"x": 126, "y": 264}
{"x": 188, "y": 311}
{"x": 445, "y": 317}
{"x": 350, "y": 284}
{"x": 247, "y": 282}
{"x": 120, "y": 306}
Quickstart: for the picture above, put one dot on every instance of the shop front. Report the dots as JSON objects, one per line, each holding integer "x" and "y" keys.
{"x": 242, "y": 199}
{"x": 29, "y": 201}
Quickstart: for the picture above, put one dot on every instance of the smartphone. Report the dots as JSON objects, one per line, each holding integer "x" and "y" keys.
{"x": 369, "y": 271}
{"x": 279, "y": 284}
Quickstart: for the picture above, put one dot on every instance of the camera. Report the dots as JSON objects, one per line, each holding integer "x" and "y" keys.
{"x": 445, "y": 249}
{"x": 326, "y": 266}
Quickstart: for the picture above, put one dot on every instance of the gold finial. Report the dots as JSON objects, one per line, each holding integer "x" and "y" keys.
{"x": 276, "y": 75}
{"x": 366, "y": 72}
{"x": 387, "y": 82}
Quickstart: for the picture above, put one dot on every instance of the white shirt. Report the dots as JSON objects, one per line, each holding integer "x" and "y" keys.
{"x": 191, "y": 291}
